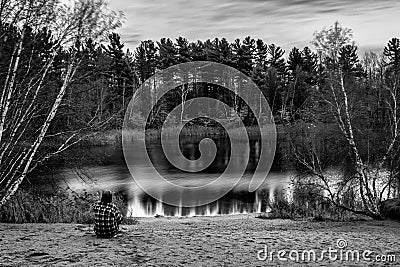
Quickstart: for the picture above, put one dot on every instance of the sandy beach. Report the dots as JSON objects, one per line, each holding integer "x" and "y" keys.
{"x": 199, "y": 241}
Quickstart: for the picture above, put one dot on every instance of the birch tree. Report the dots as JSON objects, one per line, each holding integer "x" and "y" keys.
{"x": 373, "y": 177}
{"x": 24, "y": 117}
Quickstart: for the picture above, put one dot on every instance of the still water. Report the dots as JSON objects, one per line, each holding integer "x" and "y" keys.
{"x": 115, "y": 176}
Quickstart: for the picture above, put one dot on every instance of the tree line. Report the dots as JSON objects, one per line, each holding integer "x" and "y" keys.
{"x": 108, "y": 75}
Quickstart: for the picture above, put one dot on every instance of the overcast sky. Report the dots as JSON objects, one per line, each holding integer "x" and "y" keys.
{"x": 286, "y": 23}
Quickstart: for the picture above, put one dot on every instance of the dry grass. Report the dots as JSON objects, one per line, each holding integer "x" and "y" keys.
{"x": 32, "y": 206}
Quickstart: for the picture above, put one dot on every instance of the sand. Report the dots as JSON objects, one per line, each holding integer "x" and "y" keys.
{"x": 199, "y": 241}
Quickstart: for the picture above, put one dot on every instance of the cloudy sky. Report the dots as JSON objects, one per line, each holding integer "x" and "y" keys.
{"x": 286, "y": 23}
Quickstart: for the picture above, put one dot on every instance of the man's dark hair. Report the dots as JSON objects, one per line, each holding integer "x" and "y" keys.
{"x": 106, "y": 197}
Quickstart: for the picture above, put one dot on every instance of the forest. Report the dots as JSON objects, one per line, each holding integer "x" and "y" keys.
{"x": 67, "y": 75}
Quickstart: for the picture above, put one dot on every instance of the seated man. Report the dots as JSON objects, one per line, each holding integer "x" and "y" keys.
{"x": 107, "y": 217}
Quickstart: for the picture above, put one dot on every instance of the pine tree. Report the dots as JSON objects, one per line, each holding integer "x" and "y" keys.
{"x": 275, "y": 59}
{"x": 120, "y": 75}
{"x": 197, "y": 51}
{"x": 145, "y": 60}
{"x": 244, "y": 54}
{"x": 348, "y": 58}
{"x": 226, "y": 53}
{"x": 211, "y": 50}
{"x": 392, "y": 52}
{"x": 261, "y": 54}
{"x": 182, "y": 46}
{"x": 310, "y": 62}
{"x": 167, "y": 54}
{"x": 145, "y": 66}
{"x": 295, "y": 60}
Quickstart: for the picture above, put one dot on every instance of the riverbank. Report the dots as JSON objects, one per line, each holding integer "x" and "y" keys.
{"x": 198, "y": 241}
{"x": 114, "y": 137}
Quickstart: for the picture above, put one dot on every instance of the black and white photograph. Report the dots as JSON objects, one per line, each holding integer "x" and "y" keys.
{"x": 199, "y": 133}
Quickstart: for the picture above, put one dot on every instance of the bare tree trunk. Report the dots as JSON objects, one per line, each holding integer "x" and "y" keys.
{"x": 9, "y": 83}
{"x": 34, "y": 147}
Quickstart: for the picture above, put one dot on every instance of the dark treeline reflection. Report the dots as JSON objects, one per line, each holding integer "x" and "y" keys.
{"x": 189, "y": 147}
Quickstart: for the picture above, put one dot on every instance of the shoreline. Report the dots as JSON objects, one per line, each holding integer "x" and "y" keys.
{"x": 193, "y": 241}
{"x": 114, "y": 136}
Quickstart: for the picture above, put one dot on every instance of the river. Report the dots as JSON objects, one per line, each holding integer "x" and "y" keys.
{"x": 115, "y": 176}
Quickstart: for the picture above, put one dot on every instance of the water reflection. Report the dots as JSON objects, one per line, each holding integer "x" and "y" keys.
{"x": 116, "y": 177}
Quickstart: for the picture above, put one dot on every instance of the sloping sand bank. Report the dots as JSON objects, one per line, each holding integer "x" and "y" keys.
{"x": 200, "y": 241}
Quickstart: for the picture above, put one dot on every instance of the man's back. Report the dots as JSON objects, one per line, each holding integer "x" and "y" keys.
{"x": 107, "y": 218}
